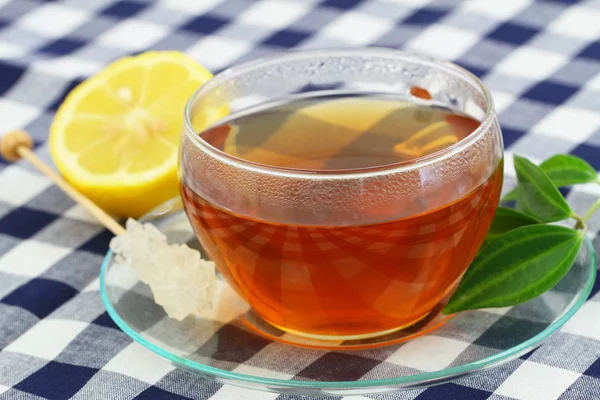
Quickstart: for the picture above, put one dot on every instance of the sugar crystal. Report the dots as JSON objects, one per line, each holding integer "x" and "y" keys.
{"x": 180, "y": 280}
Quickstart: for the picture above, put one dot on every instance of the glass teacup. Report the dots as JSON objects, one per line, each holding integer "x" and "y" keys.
{"x": 342, "y": 193}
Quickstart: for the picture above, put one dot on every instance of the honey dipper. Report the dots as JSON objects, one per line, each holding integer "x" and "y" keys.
{"x": 142, "y": 247}
{"x": 17, "y": 145}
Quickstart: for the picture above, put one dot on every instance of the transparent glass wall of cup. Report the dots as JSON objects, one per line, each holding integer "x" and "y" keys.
{"x": 342, "y": 254}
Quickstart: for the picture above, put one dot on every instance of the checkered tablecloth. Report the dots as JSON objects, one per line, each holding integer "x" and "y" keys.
{"x": 540, "y": 59}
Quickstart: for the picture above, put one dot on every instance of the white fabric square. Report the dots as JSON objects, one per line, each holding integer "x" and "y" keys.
{"x": 48, "y": 338}
{"x": 443, "y": 42}
{"x": 592, "y": 189}
{"x": 31, "y": 258}
{"x": 502, "y": 101}
{"x": 79, "y": 213}
{"x": 192, "y": 7}
{"x": 8, "y": 50}
{"x": 133, "y": 35}
{"x": 93, "y": 286}
{"x": 497, "y": 310}
{"x": 509, "y": 170}
{"x": 579, "y": 22}
{"x": 509, "y": 165}
{"x": 24, "y": 185}
{"x": 417, "y": 353}
{"x": 415, "y": 3}
{"x": 586, "y": 322}
{"x": 140, "y": 363}
{"x": 356, "y": 28}
{"x": 531, "y": 63}
{"x": 273, "y": 14}
{"x": 533, "y": 381}
{"x": 594, "y": 83}
{"x": 228, "y": 392}
{"x": 569, "y": 123}
{"x": 53, "y": 20}
{"x": 216, "y": 52}
{"x": 248, "y": 369}
{"x": 15, "y": 115}
{"x": 3, "y": 388}
{"x": 500, "y": 10}
{"x": 68, "y": 66}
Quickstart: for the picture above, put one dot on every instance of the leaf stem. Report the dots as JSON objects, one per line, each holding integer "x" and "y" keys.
{"x": 591, "y": 211}
{"x": 580, "y": 225}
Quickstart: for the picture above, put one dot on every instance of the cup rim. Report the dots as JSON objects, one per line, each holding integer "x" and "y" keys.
{"x": 402, "y": 166}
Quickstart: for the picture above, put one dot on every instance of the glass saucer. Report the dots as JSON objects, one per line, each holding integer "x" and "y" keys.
{"x": 235, "y": 347}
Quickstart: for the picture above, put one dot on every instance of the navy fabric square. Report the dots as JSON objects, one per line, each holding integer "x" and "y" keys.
{"x": 527, "y": 355}
{"x": 56, "y": 380}
{"x": 63, "y": 46}
{"x": 287, "y": 38}
{"x": 9, "y": 75}
{"x": 321, "y": 368}
{"x": 594, "y": 369}
{"x": 301, "y": 397}
{"x": 550, "y": 92}
{"x": 568, "y": 2}
{"x": 24, "y": 222}
{"x": 124, "y": 9}
{"x": 564, "y": 191}
{"x": 205, "y": 24}
{"x": 40, "y": 296}
{"x": 589, "y": 153}
{"x": 503, "y": 334}
{"x": 596, "y": 287}
{"x": 512, "y": 33}
{"x": 592, "y": 51}
{"x": 98, "y": 244}
{"x": 424, "y": 16}
{"x": 479, "y": 72}
{"x": 105, "y": 320}
{"x": 341, "y": 4}
{"x": 452, "y": 391}
{"x": 54, "y": 106}
{"x": 509, "y": 136}
{"x": 154, "y": 393}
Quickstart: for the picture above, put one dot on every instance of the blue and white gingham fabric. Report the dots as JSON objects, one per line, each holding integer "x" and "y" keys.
{"x": 540, "y": 59}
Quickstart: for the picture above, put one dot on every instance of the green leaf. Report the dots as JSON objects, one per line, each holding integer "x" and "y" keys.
{"x": 567, "y": 170}
{"x": 563, "y": 170}
{"x": 505, "y": 220}
{"x": 537, "y": 196}
{"x": 517, "y": 267}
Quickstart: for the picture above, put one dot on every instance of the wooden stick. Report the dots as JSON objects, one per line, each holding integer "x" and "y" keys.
{"x": 17, "y": 144}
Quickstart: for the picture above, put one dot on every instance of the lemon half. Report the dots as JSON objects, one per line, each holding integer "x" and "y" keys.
{"x": 116, "y": 136}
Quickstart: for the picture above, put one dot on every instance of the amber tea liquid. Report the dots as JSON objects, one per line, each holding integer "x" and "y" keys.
{"x": 339, "y": 279}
